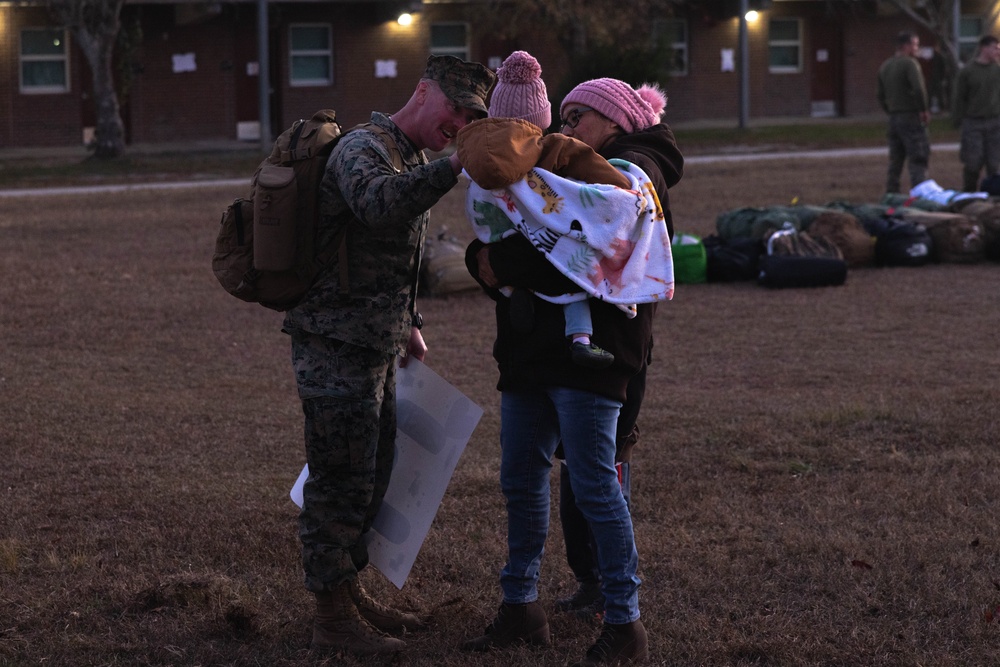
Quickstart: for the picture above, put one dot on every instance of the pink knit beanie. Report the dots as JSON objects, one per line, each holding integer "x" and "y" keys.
{"x": 520, "y": 91}
{"x": 631, "y": 109}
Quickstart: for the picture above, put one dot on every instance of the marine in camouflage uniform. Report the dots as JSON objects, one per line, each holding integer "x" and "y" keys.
{"x": 344, "y": 346}
{"x": 903, "y": 95}
{"x": 976, "y": 109}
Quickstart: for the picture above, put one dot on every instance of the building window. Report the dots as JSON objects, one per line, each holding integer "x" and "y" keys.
{"x": 970, "y": 29}
{"x": 44, "y": 61}
{"x": 450, "y": 39}
{"x": 674, "y": 33}
{"x": 784, "y": 45}
{"x": 310, "y": 54}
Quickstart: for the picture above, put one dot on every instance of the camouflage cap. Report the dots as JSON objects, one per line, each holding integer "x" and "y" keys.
{"x": 465, "y": 83}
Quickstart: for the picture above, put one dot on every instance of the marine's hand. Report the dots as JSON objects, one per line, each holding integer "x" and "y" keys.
{"x": 415, "y": 348}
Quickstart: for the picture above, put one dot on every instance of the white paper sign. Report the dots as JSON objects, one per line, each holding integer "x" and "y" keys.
{"x": 728, "y": 63}
{"x": 434, "y": 423}
{"x": 385, "y": 69}
{"x": 184, "y": 62}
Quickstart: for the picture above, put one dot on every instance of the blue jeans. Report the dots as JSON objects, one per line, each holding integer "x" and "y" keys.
{"x": 581, "y": 552}
{"x": 578, "y": 320}
{"x": 532, "y": 424}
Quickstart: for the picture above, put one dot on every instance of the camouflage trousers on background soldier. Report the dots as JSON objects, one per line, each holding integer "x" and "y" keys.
{"x": 980, "y": 148}
{"x": 908, "y": 143}
{"x": 349, "y": 399}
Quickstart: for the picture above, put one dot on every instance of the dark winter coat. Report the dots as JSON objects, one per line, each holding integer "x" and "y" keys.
{"x": 542, "y": 357}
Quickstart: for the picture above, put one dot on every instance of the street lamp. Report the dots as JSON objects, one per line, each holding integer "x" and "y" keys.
{"x": 744, "y": 65}
{"x": 263, "y": 78}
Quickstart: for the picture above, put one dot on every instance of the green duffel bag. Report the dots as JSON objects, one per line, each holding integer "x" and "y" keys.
{"x": 690, "y": 259}
{"x": 756, "y": 223}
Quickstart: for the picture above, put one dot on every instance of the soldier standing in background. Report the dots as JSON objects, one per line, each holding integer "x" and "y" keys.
{"x": 345, "y": 341}
{"x": 938, "y": 82}
{"x": 903, "y": 95}
{"x": 976, "y": 110}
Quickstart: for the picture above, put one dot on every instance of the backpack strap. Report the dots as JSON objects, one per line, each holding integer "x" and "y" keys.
{"x": 396, "y": 159}
{"x": 293, "y": 143}
{"x": 395, "y": 155}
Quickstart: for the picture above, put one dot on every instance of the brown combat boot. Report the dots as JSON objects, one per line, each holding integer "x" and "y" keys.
{"x": 514, "y": 624}
{"x": 339, "y": 627}
{"x": 625, "y": 644}
{"x": 382, "y": 617}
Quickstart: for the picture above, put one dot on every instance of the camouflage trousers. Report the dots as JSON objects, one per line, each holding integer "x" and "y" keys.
{"x": 909, "y": 143}
{"x": 348, "y": 398}
{"x": 980, "y": 147}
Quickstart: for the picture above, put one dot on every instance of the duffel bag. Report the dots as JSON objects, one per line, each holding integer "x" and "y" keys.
{"x": 732, "y": 260}
{"x": 779, "y": 270}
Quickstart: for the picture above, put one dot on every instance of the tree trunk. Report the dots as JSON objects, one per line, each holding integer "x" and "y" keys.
{"x": 95, "y": 26}
{"x": 109, "y": 134}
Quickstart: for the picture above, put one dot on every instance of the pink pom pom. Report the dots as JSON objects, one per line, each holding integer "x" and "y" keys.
{"x": 519, "y": 67}
{"x": 654, "y": 96}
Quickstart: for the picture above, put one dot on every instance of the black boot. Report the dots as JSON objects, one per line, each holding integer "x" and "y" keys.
{"x": 514, "y": 624}
{"x": 587, "y": 598}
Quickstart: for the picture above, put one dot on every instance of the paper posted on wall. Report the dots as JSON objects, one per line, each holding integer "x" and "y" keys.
{"x": 434, "y": 423}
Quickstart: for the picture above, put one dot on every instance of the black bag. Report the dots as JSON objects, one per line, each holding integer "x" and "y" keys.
{"x": 900, "y": 243}
{"x": 799, "y": 270}
{"x": 732, "y": 260}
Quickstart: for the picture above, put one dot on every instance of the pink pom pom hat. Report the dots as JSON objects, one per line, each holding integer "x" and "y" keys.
{"x": 631, "y": 109}
{"x": 520, "y": 91}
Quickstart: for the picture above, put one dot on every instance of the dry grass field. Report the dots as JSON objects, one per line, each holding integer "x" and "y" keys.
{"x": 816, "y": 482}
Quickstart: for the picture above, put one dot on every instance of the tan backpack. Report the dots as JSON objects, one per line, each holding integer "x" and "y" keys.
{"x": 847, "y": 233}
{"x": 266, "y": 250}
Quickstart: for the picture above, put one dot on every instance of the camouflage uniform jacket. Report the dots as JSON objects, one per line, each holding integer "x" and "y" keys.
{"x": 387, "y": 213}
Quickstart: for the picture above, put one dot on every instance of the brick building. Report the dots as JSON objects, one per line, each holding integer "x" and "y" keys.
{"x": 191, "y": 68}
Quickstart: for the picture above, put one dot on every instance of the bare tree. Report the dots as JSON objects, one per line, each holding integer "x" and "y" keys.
{"x": 938, "y": 17}
{"x": 577, "y": 24}
{"x": 95, "y": 25}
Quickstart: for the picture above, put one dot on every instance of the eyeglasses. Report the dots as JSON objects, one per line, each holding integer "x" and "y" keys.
{"x": 573, "y": 119}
